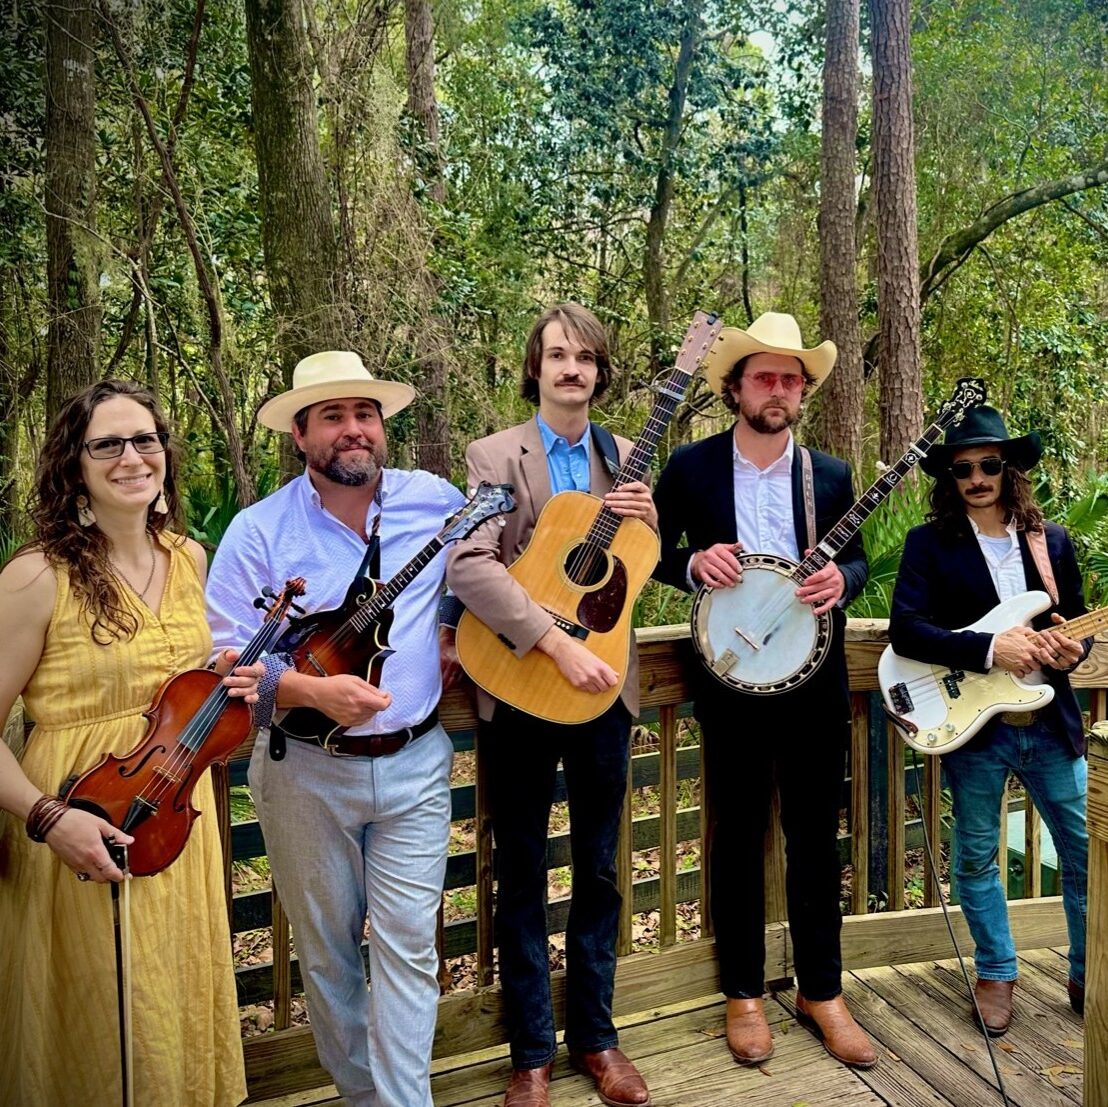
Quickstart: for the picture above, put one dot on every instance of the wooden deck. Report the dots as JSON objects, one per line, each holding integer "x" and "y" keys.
{"x": 916, "y": 1014}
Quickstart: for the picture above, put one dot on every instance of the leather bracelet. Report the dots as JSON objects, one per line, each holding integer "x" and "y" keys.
{"x": 44, "y": 814}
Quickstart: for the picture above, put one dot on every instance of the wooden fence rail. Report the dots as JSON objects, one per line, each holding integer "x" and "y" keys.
{"x": 880, "y": 828}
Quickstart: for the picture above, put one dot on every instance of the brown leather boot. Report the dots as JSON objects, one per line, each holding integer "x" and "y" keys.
{"x": 994, "y": 1000}
{"x": 529, "y": 1088}
{"x": 618, "y": 1082}
{"x": 1077, "y": 996}
{"x": 748, "y": 1034}
{"x": 842, "y": 1037}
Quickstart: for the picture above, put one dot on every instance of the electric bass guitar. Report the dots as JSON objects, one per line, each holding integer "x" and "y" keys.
{"x": 354, "y": 638}
{"x": 937, "y": 710}
{"x": 585, "y": 565}
{"x": 757, "y": 636}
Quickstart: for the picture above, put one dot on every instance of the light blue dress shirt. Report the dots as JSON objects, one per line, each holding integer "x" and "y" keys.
{"x": 291, "y": 534}
{"x": 568, "y": 465}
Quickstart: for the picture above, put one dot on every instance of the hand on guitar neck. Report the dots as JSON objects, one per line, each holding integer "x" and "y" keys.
{"x": 1021, "y": 650}
{"x": 344, "y": 697}
{"x": 583, "y": 669}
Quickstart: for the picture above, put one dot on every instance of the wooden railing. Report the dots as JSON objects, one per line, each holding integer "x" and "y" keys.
{"x": 876, "y": 797}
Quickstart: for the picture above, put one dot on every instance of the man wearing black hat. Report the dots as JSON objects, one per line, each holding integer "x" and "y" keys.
{"x": 986, "y": 541}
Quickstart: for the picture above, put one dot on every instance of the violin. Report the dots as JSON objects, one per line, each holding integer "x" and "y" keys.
{"x": 354, "y": 638}
{"x": 192, "y": 723}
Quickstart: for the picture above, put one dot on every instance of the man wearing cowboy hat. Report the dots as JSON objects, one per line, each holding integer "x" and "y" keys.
{"x": 565, "y": 368}
{"x": 360, "y": 829}
{"x": 986, "y": 541}
{"x": 742, "y": 490}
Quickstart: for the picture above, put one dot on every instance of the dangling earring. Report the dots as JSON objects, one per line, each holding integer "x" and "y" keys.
{"x": 84, "y": 513}
{"x": 161, "y": 505}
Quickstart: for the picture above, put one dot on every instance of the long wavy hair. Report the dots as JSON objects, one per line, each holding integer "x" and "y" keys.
{"x": 948, "y": 509}
{"x": 83, "y": 551}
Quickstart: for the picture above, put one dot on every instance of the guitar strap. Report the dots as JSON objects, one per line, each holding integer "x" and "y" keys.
{"x": 604, "y": 441}
{"x": 809, "y": 486}
{"x": 1036, "y": 543}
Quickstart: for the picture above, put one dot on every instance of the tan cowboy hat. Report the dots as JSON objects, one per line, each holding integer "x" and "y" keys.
{"x": 771, "y": 333}
{"x": 332, "y": 375}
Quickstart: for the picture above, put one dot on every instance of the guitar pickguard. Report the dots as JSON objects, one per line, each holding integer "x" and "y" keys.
{"x": 600, "y": 610}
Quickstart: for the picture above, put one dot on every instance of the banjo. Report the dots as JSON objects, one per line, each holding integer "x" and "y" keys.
{"x": 757, "y": 636}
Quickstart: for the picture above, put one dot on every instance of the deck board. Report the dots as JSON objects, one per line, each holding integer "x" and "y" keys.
{"x": 930, "y": 1054}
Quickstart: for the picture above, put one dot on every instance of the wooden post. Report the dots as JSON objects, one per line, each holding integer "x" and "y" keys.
{"x": 282, "y": 966}
{"x": 667, "y": 829}
{"x": 483, "y": 859}
{"x": 859, "y": 802}
{"x": 1096, "y": 958}
{"x": 625, "y": 873}
{"x": 894, "y": 751}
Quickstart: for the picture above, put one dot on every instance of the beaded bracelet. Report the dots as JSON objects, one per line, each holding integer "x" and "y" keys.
{"x": 44, "y": 813}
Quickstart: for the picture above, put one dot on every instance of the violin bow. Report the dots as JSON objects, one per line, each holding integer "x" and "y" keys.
{"x": 121, "y": 923}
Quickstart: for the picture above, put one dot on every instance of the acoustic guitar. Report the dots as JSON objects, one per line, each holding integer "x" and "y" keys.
{"x": 586, "y": 566}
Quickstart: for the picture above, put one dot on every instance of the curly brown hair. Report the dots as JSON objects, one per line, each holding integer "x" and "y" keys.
{"x": 1017, "y": 499}
{"x": 580, "y": 324}
{"x": 83, "y": 551}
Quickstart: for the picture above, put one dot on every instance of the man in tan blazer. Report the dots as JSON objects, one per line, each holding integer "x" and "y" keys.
{"x": 566, "y": 367}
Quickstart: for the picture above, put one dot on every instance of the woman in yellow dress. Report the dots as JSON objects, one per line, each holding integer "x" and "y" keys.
{"x": 103, "y": 606}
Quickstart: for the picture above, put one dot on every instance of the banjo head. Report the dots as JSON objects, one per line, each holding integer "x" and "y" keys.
{"x": 758, "y": 637}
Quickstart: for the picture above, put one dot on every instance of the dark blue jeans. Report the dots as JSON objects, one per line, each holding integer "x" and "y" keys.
{"x": 521, "y": 754}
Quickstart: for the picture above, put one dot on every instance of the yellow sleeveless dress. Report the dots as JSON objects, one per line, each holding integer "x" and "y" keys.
{"x": 59, "y": 1038}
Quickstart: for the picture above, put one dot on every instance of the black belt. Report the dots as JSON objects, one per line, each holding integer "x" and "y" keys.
{"x": 365, "y": 745}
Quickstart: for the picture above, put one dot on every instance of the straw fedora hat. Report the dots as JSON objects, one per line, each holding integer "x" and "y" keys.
{"x": 332, "y": 375}
{"x": 773, "y": 332}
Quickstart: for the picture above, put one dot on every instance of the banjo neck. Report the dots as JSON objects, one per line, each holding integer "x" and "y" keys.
{"x": 970, "y": 392}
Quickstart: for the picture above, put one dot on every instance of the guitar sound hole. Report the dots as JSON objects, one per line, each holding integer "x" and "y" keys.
{"x": 586, "y": 567}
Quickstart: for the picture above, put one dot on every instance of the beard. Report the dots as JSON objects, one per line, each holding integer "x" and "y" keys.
{"x": 768, "y": 423}
{"x": 342, "y": 467}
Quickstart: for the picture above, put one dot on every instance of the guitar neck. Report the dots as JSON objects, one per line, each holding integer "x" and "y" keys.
{"x": 1084, "y": 625}
{"x": 849, "y": 525}
{"x": 387, "y": 594}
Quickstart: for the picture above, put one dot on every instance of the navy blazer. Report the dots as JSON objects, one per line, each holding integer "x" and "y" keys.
{"x": 695, "y": 497}
{"x": 944, "y": 583}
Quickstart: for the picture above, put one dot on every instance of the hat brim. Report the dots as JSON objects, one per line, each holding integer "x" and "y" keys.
{"x": 278, "y": 413}
{"x": 1023, "y": 452}
{"x": 733, "y": 345}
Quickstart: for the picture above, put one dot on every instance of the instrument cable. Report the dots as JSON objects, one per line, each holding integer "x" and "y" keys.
{"x": 950, "y": 929}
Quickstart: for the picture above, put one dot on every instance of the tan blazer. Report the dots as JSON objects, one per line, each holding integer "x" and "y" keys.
{"x": 476, "y": 567}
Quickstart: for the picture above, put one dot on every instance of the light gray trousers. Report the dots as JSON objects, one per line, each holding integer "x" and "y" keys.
{"x": 351, "y": 838}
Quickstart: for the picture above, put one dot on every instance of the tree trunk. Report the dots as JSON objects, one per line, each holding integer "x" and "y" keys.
{"x": 657, "y": 302}
{"x": 433, "y": 337}
{"x": 298, "y": 232}
{"x": 894, "y": 183}
{"x": 72, "y": 250}
{"x": 841, "y": 398}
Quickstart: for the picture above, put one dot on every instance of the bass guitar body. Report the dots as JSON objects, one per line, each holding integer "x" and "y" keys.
{"x": 325, "y": 644}
{"x": 590, "y": 592}
{"x": 937, "y": 709}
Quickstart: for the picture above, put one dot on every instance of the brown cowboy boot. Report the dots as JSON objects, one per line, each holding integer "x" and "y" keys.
{"x": 748, "y": 1034}
{"x": 618, "y": 1082}
{"x": 842, "y": 1037}
{"x": 528, "y": 1088}
{"x": 1077, "y": 996}
{"x": 994, "y": 1000}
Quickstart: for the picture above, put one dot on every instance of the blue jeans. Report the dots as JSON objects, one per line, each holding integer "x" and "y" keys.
{"x": 522, "y": 755}
{"x": 1056, "y": 781}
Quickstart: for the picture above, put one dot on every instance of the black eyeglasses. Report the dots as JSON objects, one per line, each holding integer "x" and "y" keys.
{"x": 990, "y": 466}
{"x": 152, "y": 442}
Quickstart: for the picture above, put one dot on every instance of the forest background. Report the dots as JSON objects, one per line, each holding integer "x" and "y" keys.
{"x": 196, "y": 193}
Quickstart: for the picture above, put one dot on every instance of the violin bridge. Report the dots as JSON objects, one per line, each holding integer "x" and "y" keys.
{"x": 165, "y": 774}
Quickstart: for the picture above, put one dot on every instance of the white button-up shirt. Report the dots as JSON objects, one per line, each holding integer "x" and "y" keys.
{"x": 764, "y": 504}
{"x": 291, "y": 534}
{"x": 1005, "y": 565}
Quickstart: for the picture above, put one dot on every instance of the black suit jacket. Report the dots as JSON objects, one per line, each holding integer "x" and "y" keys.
{"x": 944, "y": 583}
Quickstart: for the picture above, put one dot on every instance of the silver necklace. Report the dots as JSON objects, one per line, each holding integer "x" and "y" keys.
{"x": 149, "y": 576}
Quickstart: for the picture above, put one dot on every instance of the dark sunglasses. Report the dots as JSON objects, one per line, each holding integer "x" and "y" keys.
{"x": 989, "y": 466}
{"x": 153, "y": 442}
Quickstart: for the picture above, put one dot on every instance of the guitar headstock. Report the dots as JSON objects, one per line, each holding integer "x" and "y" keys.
{"x": 488, "y": 501}
{"x": 702, "y": 332}
{"x": 968, "y": 392}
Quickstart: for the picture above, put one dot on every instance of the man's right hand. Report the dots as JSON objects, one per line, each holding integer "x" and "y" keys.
{"x": 583, "y": 669}
{"x": 717, "y": 566}
{"x": 1019, "y": 650}
{"x": 347, "y": 699}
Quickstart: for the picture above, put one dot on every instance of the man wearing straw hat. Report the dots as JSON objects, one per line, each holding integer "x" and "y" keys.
{"x": 358, "y": 830}
{"x": 985, "y": 542}
{"x": 743, "y": 491}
